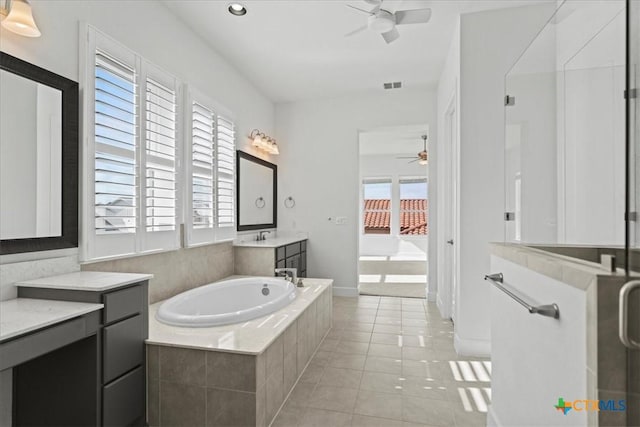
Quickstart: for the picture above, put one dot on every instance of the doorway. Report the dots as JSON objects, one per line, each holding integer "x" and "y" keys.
{"x": 393, "y": 225}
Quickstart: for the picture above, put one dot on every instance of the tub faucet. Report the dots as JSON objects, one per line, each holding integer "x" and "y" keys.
{"x": 291, "y": 274}
{"x": 261, "y": 236}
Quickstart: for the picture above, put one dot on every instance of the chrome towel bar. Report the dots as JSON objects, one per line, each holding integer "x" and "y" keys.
{"x": 549, "y": 310}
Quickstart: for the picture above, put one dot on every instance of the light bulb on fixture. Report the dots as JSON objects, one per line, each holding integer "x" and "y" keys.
{"x": 422, "y": 162}
{"x": 20, "y": 19}
{"x": 263, "y": 142}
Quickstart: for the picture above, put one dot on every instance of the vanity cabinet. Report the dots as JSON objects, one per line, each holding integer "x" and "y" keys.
{"x": 293, "y": 255}
{"x": 122, "y": 332}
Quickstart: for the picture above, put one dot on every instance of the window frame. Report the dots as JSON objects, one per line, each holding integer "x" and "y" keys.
{"x": 376, "y": 180}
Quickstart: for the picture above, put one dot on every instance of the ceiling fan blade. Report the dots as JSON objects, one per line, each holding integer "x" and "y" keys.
{"x": 411, "y": 157}
{"x": 412, "y": 161}
{"x": 360, "y": 10}
{"x": 415, "y": 16}
{"x": 391, "y": 36}
{"x": 356, "y": 31}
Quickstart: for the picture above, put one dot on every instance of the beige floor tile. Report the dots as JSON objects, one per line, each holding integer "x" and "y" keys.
{"x": 356, "y": 336}
{"x": 382, "y": 405}
{"x": 333, "y": 398}
{"x": 421, "y": 387}
{"x": 384, "y": 350}
{"x": 289, "y": 417}
{"x": 414, "y": 322}
{"x": 322, "y": 418}
{"x": 387, "y": 329}
{"x": 413, "y": 307}
{"x": 321, "y": 357}
{"x": 312, "y": 374}
{"x": 339, "y": 377}
{"x": 359, "y": 326}
{"x": 415, "y": 341}
{"x": 415, "y": 330}
{"x": 395, "y": 314}
{"x": 381, "y": 382}
{"x": 365, "y": 421}
{"x": 352, "y": 347}
{"x": 301, "y": 394}
{"x": 383, "y": 364}
{"x": 381, "y": 320}
{"x": 348, "y": 361}
{"x": 427, "y": 411}
{"x": 328, "y": 344}
{"x": 389, "y": 339}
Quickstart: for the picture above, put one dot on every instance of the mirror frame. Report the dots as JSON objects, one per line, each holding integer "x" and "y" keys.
{"x": 69, "y": 166}
{"x": 246, "y": 156}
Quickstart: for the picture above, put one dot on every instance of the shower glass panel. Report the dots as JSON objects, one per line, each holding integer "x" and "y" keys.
{"x": 633, "y": 128}
{"x": 565, "y": 130}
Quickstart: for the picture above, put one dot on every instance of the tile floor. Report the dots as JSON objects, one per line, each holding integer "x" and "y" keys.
{"x": 389, "y": 362}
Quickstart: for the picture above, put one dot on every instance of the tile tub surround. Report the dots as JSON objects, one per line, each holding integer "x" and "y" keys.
{"x": 254, "y": 261}
{"x": 175, "y": 271}
{"x": 234, "y": 374}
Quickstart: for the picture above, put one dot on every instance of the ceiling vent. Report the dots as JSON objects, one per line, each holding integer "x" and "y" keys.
{"x": 392, "y": 85}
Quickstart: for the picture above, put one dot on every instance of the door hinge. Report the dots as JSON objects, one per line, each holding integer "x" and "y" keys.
{"x": 509, "y": 100}
{"x": 631, "y": 94}
{"x": 631, "y": 216}
{"x": 509, "y": 216}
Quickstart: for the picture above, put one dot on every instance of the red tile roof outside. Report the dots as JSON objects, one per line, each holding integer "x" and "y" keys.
{"x": 413, "y": 217}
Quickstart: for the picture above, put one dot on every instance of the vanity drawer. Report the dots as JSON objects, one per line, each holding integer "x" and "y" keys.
{"x": 303, "y": 261}
{"x": 123, "y": 347}
{"x": 280, "y": 253}
{"x": 292, "y": 249}
{"x": 303, "y": 245}
{"x": 124, "y": 303}
{"x": 123, "y": 400}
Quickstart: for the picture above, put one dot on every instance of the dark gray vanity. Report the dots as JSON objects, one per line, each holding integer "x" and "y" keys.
{"x": 293, "y": 255}
{"x": 112, "y": 385}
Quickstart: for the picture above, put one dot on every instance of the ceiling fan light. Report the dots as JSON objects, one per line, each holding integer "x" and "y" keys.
{"x": 382, "y": 22}
{"x": 423, "y": 162}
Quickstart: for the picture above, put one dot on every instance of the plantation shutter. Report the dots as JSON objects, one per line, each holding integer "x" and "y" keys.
{"x": 201, "y": 212}
{"x": 112, "y": 219}
{"x": 160, "y": 161}
{"x": 225, "y": 167}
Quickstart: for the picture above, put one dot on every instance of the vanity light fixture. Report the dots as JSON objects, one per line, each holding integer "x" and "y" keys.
{"x": 264, "y": 142}
{"x": 237, "y": 9}
{"x": 19, "y": 18}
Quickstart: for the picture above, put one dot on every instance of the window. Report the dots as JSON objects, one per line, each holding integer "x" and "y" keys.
{"x": 413, "y": 206}
{"x": 377, "y": 206}
{"x": 131, "y": 168}
{"x": 210, "y": 173}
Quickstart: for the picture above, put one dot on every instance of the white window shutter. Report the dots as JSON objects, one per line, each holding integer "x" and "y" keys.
{"x": 200, "y": 212}
{"x": 226, "y": 169}
{"x": 112, "y": 122}
{"x": 159, "y": 159}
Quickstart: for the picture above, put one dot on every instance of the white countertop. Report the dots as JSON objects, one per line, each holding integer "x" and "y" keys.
{"x": 21, "y": 315}
{"x": 273, "y": 242}
{"x": 86, "y": 281}
{"x": 251, "y": 337}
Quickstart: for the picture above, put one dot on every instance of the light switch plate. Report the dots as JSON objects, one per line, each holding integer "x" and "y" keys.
{"x": 341, "y": 220}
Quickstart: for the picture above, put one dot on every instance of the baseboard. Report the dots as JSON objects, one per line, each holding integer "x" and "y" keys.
{"x": 345, "y": 292}
{"x": 476, "y": 348}
{"x": 431, "y": 296}
{"x": 492, "y": 419}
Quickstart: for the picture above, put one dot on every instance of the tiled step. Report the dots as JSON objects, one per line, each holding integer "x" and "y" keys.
{"x": 393, "y": 267}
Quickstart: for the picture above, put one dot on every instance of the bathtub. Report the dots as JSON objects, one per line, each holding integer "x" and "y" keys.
{"x": 227, "y": 301}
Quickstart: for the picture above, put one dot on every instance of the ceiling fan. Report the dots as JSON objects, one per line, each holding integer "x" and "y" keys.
{"x": 384, "y": 22}
{"x": 422, "y": 156}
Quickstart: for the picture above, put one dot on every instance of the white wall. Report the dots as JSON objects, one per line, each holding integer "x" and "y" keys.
{"x": 388, "y": 166}
{"x": 319, "y": 146}
{"x": 490, "y": 42}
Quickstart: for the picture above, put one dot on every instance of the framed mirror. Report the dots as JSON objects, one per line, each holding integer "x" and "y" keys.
{"x": 38, "y": 158}
{"x": 256, "y": 193}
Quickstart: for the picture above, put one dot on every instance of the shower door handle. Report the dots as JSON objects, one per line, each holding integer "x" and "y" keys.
{"x": 623, "y": 319}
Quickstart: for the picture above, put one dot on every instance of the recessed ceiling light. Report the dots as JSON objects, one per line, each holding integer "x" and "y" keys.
{"x": 237, "y": 9}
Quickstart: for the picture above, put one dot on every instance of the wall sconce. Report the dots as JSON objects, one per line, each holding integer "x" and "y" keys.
{"x": 19, "y": 18}
{"x": 264, "y": 142}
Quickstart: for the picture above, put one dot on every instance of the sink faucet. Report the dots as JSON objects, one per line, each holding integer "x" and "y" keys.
{"x": 261, "y": 235}
{"x": 291, "y": 274}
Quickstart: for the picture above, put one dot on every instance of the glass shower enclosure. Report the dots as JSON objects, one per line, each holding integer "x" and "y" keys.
{"x": 572, "y": 149}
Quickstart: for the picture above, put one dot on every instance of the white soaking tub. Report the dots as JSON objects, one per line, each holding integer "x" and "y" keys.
{"x": 228, "y": 301}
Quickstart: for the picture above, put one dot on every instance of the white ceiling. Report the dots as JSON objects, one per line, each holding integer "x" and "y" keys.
{"x": 296, "y": 49}
{"x": 404, "y": 140}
